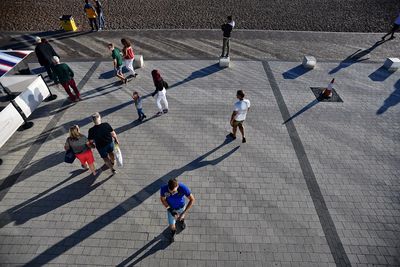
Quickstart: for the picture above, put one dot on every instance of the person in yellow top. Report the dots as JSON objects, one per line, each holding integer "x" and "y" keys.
{"x": 91, "y": 14}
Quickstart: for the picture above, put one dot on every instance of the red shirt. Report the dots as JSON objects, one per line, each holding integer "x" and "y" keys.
{"x": 129, "y": 53}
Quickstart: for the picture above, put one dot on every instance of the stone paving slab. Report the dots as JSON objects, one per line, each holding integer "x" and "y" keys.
{"x": 254, "y": 206}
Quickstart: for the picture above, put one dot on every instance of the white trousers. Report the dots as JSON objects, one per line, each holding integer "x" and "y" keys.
{"x": 129, "y": 65}
{"x": 162, "y": 97}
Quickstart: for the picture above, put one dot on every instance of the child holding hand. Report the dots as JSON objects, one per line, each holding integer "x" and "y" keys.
{"x": 137, "y": 99}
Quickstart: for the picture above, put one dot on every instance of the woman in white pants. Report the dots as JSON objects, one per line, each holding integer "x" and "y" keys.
{"x": 129, "y": 56}
{"x": 160, "y": 91}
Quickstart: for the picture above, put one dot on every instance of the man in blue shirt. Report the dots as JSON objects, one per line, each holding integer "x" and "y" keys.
{"x": 172, "y": 197}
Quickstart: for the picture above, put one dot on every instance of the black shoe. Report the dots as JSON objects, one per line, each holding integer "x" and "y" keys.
{"x": 391, "y": 38}
{"x": 232, "y": 136}
{"x": 173, "y": 234}
{"x": 183, "y": 224}
{"x": 134, "y": 76}
{"x": 244, "y": 140}
{"x": 159, "y": 113}
{"x": 144, "y": 117}
{"x": 113, "y": 171}
{"x": 165, "y": 110}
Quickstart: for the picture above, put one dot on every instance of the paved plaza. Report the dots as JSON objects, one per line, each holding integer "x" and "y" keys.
{"x": 316, "y": 184}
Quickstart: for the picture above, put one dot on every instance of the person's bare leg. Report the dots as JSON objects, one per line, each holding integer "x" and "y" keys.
{"x": 107, "y": 161}
{"x": 241, "y": 129}
{"x": 111, "y": 156}
{"x": 92, "y": 169}
{"x": 234, "y": 130}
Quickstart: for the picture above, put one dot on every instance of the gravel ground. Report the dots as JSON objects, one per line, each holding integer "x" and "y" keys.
{"x": 299, "y": 15}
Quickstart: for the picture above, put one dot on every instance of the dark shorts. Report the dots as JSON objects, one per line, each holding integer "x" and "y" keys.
{"x": 395, "y": 27}
{"x": 103, "y": 151}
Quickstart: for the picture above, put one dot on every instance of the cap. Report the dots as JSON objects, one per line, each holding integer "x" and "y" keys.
{"x": 38, "y": 39}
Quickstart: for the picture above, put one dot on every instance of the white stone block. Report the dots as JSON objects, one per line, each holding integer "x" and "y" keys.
{"x": 224, "y": 62}
{"x": 392, "y": 64}
{"x": 138, "y": 62}
{"x": 309, "y": 62}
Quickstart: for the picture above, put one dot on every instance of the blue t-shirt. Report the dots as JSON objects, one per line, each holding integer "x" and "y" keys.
{"x": 177, "y": 200}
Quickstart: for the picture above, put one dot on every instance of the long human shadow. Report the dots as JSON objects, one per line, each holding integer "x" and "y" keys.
{"x": 63, "y": 129}
{"x": 304, "y": 109}
{"x": 356, "y": 57}
{"x": 295, "y": 72}
{"x": 29, "y": 42}
{"x": 5, "y": 218}
{"x": 392, "y": 100}
{"x": 133, "y": 124}
{"x": 126, "y": 206}
{"x": 158, "y": 243}
{"x": 50, "y": 202}
{"x": 111, "y": 74}
{"x": 380, "y": 74}
{"x": 40, "y": 165}
{"x": 204, "y": 72}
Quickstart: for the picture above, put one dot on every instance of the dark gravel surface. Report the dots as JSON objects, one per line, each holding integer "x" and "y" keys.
{"x": 299, "y": 15}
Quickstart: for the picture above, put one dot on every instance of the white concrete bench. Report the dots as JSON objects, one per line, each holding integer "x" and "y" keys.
{"x": 138, "y": 62}
{"x": 392, "y": 64}
{"x": 224, "y": 62}
{"x": 309, "y": 62}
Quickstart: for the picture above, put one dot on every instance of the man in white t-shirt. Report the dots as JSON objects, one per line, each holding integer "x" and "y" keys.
{"x": 239, "y": 115}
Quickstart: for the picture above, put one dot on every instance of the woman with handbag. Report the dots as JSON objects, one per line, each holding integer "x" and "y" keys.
{"x": 129, "y": 56}
{"x": 80, "y": 145}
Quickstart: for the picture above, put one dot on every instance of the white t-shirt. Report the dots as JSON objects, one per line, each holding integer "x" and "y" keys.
{"x": 241, "y": 107}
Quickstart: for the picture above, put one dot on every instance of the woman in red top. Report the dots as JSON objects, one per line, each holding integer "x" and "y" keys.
{"x": 129, "y": 56}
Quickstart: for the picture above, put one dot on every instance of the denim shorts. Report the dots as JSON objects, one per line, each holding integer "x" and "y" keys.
{"x": 171, "y": 219}
{"x": 103, "y": 151}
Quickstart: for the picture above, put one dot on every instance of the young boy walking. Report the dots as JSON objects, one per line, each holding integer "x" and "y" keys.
{"x": 117, "y": 61}
{"x": 137, "y": 99}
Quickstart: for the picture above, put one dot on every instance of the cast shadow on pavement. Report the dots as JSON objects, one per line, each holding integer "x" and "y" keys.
{"x": 28, "y": 41}
{"x": 40, "y": 165}
{"x": 133, "y": 124}
{"x": 356, "y": 57}
{"x": 37, "y": 206}
{"x": 380, "y": 74}
{"x": 204, "y": 72}
{"x": 295, "y": 72}
{"x": 392, "y": 100}
{"x": 304, "y": 109}
{"x": 158, "y": 243}
{"x": 111, "y": 73}
{"x": 126, "y": 206}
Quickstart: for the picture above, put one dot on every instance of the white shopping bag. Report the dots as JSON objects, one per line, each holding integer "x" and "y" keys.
{"x": 118, "y": 155}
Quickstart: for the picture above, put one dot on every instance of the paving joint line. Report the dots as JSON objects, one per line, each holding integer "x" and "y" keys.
{"x": 332, "y": 237}
{"x": 19, "y": 169}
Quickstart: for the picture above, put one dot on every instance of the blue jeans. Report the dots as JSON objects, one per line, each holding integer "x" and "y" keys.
{"x": 140, "y": 113}
{"x": 101, "y": 20}
{"x": 171, "y": 219}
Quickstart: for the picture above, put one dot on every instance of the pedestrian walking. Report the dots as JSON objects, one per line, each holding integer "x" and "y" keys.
{"x": 66, "y": 77}
{"x": 100, "y": 14}
{"x": 45, "y": 53}
{"x": 172, "y": 197}
{"x": 117, "y": 61}
{"x": 160, "y": 91}
{"x": 80, "y": 145}
{"x": 137, "y": 99}
{"x": 395, "y": 27}
{"x": 103, "y": 136}
{"x": 239, "y": 115}
{"x": 227, "y": 29}
{"x": 91, "y": 15}
{"x": 129, "y": 56}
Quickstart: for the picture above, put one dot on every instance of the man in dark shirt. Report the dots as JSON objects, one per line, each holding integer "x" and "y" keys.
{"x": 45, "y": 52}
{"x": 103, "y": 136}
{"x": 65, "y": 76}
{"x": 227, "y": 29}
{"x": 172, "y": 197}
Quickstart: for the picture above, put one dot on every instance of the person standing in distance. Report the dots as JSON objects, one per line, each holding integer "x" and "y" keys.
{"x": 239, "y": 115}
{"x": 227, "y": 29}
{"x": 172, "y": 197}
{"x": 103, "y": 136}
{"x": 100, "y": 15}
{"x": 395, "y": 27}
{"x": 91, "y": 15}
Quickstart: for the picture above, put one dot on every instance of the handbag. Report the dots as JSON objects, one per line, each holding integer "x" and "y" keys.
{"x": 118, "y": 155}
{"x": 69, "y": 156}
